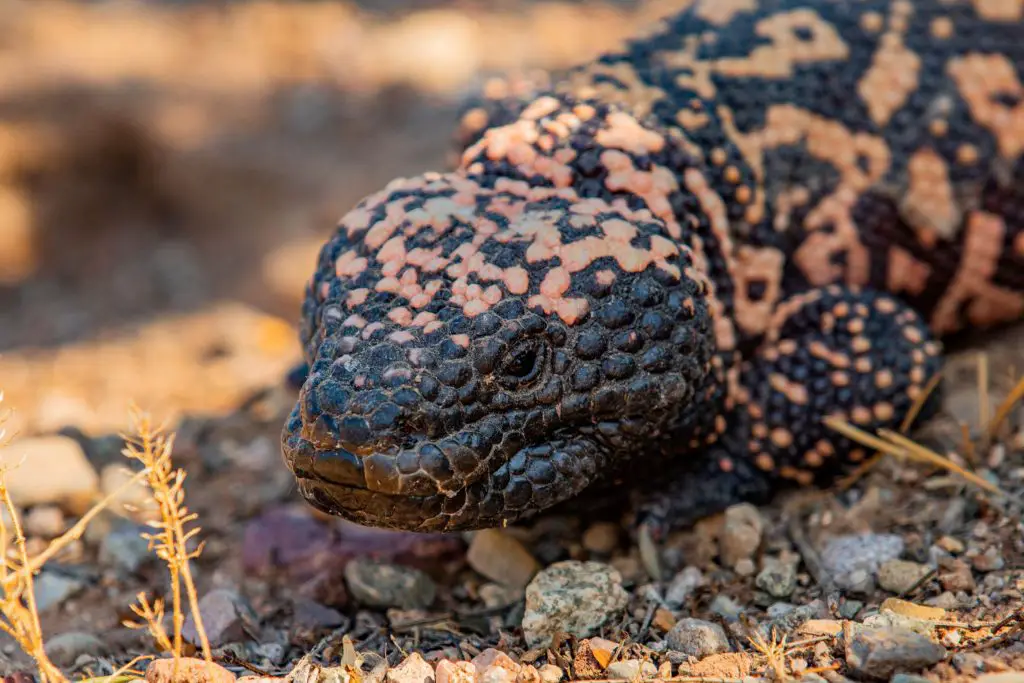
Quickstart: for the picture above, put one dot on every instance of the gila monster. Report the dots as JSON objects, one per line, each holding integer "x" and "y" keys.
{"x": 664, "y": 269}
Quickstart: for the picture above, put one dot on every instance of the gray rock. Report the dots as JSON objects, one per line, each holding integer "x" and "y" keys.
{"x": 125, "y": 548}
{"x": 882, "y": 652}
{"x": 697, "y": 638}
{"x": 741, "y": 534}
{"x": 227, "y": 617}
{"x": 52, "y": 588}
{"x": 726, "y": 607}
{"x": 850, "y": 608}
{"x": 778, "y": 578}
{"x": 899, "y": 576}
{"x": 572, "y": 597}
{"x": 380, "y": 584}
{"x": 682, "y": 586}
{"x": 853, "y": 560}
{"x": 631, "y": 670}
{"x": 909, "y": 678}
{"x": 66, "y": 648}
{"x": 312, "y": 615}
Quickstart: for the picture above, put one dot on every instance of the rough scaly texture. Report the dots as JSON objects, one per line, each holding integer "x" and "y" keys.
{"x": 667, "y": 267}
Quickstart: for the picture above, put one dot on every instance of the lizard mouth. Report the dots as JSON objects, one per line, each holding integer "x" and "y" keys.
{"x": 438, "y": 486}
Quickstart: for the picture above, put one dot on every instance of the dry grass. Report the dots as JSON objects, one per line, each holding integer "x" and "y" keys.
{"x": 897, "y": 444}
{"x": 173, "y": 534}
{"x": 171, "y": 538}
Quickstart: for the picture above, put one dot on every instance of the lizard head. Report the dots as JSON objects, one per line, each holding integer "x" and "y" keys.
{"x": 479, "y": 352}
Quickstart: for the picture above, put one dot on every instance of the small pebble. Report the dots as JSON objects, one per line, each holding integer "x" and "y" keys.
{"x": 850, "y": 608}
{"x": 899, "y": 576}
{"x": 45, "y": 521}
{"x": 912, "y": 610}
{"x": 601, "y": 538}
{"x": 125, "y": 548}
{"x": 909, "y": 678}
{"x": 501, "y": 558}
{"x": 549, "y": 673}
{"x": 572, "y": 597}
{"x": 379, "y": 584}
{"x": 189, "y": 670}
{"x": 52, "y": 588}
{"x": 881, "y": 652}
{"x": 951, "y": 545}
{"x": 821, "y": 627}
{"x": 989, "y": 561}
{"x": 741, "y": 534}
{"x": 957, "y": 577}
{"x": 66, "y": 648}
{"x": 745, "y": 567}
{"x": 697, "y": 638}
{"x": 853, "y": 560}
{"x": 226, "y": 617}
{"x": 945, "y": 600}
{"x": 778, "y": 578}
{"x": 683, "y": 585}
{"x": 663, "y": 620}
{"x": 455, "y": 672}
{"x": 50, "y": 470}
{"x": 413, "y": 669}
{"x": 631, "y": 670}
{"x": 725, "y": 665}
{"x": 493, "y": 658}
{"x": 726, "y": 607}
{"x": 311, "y": 615}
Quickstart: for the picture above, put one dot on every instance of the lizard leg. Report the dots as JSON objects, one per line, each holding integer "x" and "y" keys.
{"x": 859, "y": 356}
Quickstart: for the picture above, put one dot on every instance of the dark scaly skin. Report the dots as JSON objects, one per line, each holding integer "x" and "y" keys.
{"x": 665, "y": 270}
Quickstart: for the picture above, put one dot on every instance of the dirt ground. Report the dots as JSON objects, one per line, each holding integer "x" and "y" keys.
{"x": 168, "y": 171}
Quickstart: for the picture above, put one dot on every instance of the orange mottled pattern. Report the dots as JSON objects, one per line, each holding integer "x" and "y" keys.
{"x": 686, "y": 254}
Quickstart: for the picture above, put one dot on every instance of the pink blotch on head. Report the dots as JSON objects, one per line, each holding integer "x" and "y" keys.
{"x": 388, "y": 284}
{"x": 461, "y": 340}
{"x": 325, "y": 289}
{"x": 432, "y": 326}
{"x": 619, "y": 230}
{"x": 357, "y": 297}
{"x": 409, "y": 276}
{"x": 423, "y": 318}
{"x": 556, "y": 283}
{"x": 354, "y": 321}
{"x": 517, "y": 280}
{"x": 663, "y": 248}
{"x": 349, "y": 264}
{"x": 401, "y": 337}
{"x": 492, "y": 295}
{"x": 420, "y": 300}
{"x": 393, "y": 250}
{"x": 604, "y": 277}
{"x": 371, "y": 328}
{"x": 572, "y": 311}
{"x": 475, "y": 307}
{"x": 401, "y": 316}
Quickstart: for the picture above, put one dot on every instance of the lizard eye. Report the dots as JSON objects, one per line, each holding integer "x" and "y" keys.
{"x": 523, "y": 363}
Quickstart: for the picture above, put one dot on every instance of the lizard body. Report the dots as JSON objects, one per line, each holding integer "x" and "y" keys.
{"x": 670, "y": 265}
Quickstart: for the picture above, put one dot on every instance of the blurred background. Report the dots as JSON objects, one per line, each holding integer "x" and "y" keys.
{"x": 169, "y": 169}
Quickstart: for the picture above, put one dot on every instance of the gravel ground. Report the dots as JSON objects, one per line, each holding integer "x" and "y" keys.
{"x": 162, "y": 202}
